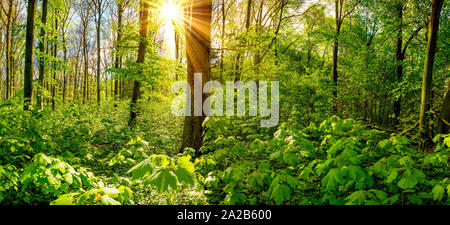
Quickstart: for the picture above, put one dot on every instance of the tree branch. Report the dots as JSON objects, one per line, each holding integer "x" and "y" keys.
{"x": 416, "y": 32}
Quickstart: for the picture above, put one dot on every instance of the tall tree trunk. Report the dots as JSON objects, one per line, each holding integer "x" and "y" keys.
{"x": 399, "y": 57}
{"x": 41, "y": 57}
{"x": 425, "y": 105}
{"x": 198, "y": 45}
{"x": 257, "y": 59}
{"x": 64, "y": 70}
{"x": 122, "y": 88}
{"x": 143, "y": 19}
{"x": 222, "y": 42}
{"x": 112, "y": 88}
{"x": 238, "y": 64}
{"x": 99, "y": 20}
{"x": 29, "y": 39}
{"x": 8, "y": 50}
{"x": 177, "y": 52}
{"x": 11, "y": 66}
{"x": 55, "y": 54}
{"x": 119, "y": 38}
{"x": 75, "y": 80}
{"x": 445, "y": 112}
{"x": 338, "y": 8}
{"x": 85, "y": 57}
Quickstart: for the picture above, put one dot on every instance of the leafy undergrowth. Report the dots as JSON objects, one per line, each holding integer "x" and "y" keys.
{"x": 81, "y": 155}
{"x": 336, "y": 162}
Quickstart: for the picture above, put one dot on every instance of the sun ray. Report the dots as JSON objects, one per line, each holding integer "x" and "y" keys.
{"x": 170, "y": 14}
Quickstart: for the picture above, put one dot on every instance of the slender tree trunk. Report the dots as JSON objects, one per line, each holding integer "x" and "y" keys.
{"x": 99, "y": 19}
{"x": 222, "y": 42}
{"x": 85, "y": 56}
{"x": 238, "y": 64}
{"x": 8, "y": 50}
{"x": 335, "y": 53}
{"x": 75, "y": 79}
{"x": 399, "y": 57}
{"x": 143, "y": 19}
{"x": 112, "y": 88}
{"x": 425, "y": 106}
{"x": 29, "y": 39}
{"x": 119, "y": 38}
{"x": 55, "y": 54}
{"x": 198, "y": 45}
{"x": 122, "y": 88}
{"x": 106, "y": 88}
{"x": 11, "y": 66}
{"x": 177, "y": 52}
{"x": 257, "y": 58}
{"x": 64, "y": 70}
{"x": 47, "y": 86}
{"x": 41, "y": 57}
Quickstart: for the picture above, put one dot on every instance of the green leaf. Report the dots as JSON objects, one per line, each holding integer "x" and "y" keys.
{"x": 408, "y": 182}
{"x": 381, "y": 195}
{"x": 355, "y": 172}
{"x": 106, "y": 200}
{"x": 438, "y": 192}
{"x": 384, "y": 143}
{"x": 357, "y": 197}
{"x": 126, "y": 192}
{"x": 306, "y": 145}
{"x": 332, "y": 179}
{"x": 42, "y": 159}
{"x": 142, "y": 169}
{"x": 447, "y": 141}
{"x": 415, "y": 199}
{"x": 333, "y": 150}
{"x": 306, "y": 154}
{"x": 27, "y": 172}
{"x": 185, "y": 163}
{"x": 406, "y": 161}
{"x": 130, "y": 161}
{"x": 280, "y": 193}
{"x": 292, "y": 181}
{"x": 290, "y": 158}
{"x": 111, "y": 192}
{"x": 392, "y": 176}
{"x": 50, "y": 177}
{"x": 448, "y": 190}
{"x": 68, "y": 178}
{"x": 184, "y": 176}
{"x": 162, "y": 179}
{"x": 275, "y": 156}
{"x": 66, "y": 199}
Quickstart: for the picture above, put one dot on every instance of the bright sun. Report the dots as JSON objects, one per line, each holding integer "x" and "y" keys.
{"x": 170, "y": 11}
{"x": 171, "y": 15}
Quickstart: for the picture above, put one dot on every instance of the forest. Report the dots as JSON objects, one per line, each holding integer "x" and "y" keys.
{"x": 357, "y": 93}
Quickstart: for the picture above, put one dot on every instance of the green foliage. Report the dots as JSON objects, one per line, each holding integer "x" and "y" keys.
{"x": 9, "y": 179}
{"x": 340, "y": 161}
{"x": 334, "y": 161}
{"x": 48, "y": 177}
{"x": 164, "y": 173}
{"x": 97, "y": 196}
